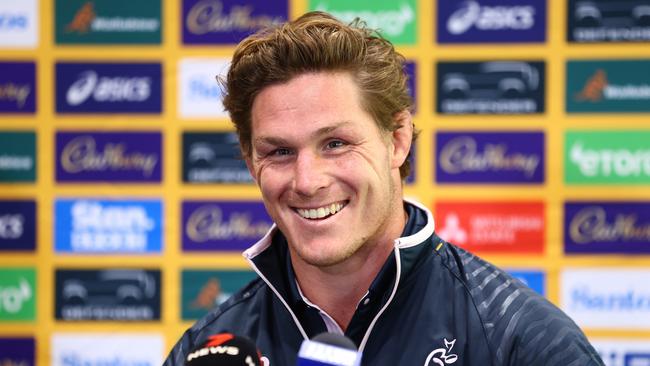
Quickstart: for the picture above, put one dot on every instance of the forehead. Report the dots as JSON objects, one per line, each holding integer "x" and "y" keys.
{"x": 308, "y": 101}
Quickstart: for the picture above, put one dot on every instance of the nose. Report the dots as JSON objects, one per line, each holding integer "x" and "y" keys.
{"x": 310, "y": 174}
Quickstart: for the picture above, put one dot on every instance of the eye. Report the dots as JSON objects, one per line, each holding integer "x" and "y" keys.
{"x": 335, "y": 144}
{"x": 283, "y": 151}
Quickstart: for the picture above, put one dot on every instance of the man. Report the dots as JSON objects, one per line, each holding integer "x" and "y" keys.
{"x": 322, "y": 112}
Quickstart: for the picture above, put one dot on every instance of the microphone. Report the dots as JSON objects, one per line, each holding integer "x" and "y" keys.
{"x": 224, "y": 349}
{"x": 329, "y": 349}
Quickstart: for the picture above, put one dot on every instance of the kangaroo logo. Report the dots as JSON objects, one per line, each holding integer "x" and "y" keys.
{"x": 442, "y": 356}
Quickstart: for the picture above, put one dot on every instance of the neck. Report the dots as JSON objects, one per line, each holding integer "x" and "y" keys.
{"x": 338, "y": 289}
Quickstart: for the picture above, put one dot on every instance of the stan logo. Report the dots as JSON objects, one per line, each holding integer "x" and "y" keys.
{"x": 83, "y": 19}
{"x": 207, "y": 223}
{"x": 472, "y": 14}
{"x": 81, "y": 155}
{"x": 208, "y": 16}
{"x": 442, "y": 356}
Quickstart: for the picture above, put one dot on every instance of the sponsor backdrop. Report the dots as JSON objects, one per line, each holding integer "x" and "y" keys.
{"x": 124, "y": 205}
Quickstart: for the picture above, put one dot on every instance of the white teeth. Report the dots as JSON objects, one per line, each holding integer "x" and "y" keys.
{"x": 321, "y": 212}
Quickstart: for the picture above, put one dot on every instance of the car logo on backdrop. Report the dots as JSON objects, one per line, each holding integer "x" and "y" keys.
{"x": 213, "y": 157}
{"x": 108, "y": 226}
{"x": 489, "y": 157}
{"x": 108, "y": 156}
{"x": 607, "y": 227}
{"x": 223, "y": 225}
{"x": 494, "y": 87}
{"x": 608, "y": 21}
{"x": 17, "y": 87}
{"x": 497, "y": 21}
{"x": 108, "y": 294}
{"x": 229, "y": 21}
{"x": 17, "y": 225}
{"x": 108, "y": 87}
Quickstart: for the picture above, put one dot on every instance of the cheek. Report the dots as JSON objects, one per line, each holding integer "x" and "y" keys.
{"x": 271, "y": 181}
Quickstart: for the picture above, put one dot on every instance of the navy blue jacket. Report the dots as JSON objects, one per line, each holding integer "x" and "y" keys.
{"x": 431, "y": 304}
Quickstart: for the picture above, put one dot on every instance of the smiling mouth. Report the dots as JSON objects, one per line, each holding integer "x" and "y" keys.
{"x": 321, "y": 212}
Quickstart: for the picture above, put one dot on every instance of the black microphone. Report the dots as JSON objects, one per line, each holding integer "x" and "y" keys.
{"x": 329, "y": 349}
{"x": 225, "y": 349}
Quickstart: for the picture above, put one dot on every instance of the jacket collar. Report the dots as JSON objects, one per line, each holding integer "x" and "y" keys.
{"x": 269, "y": 257}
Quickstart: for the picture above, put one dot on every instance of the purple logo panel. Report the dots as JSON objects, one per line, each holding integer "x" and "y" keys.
{"x": 108, "y": 157}
{"x": 108, "y": 88}
{"x": 607, "y": 227}
{"x": 223, "y": 225}
{"x": 17, "y": 351}
{"x": 410, "y": 70}
{"x": 17, "y": 225}
{"x": 17, "y": 87}
{"x": 491, "y": 21}
{"x": 229, "y": 21}
{"x": 490, "y": 157}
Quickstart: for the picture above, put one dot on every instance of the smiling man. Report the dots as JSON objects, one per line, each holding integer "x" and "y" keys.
{"x": 322, "y": 113}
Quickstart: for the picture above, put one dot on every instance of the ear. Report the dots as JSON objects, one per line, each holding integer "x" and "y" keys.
{"x": 401, "y": 138}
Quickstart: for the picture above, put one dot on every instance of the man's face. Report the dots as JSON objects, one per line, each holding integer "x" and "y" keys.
{"x": 328, "y": 175}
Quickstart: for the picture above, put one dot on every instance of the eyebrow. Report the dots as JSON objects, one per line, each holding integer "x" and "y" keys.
{"x": 279, "y": 141}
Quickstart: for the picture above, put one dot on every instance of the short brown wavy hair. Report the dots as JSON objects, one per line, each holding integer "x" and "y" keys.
{"x": 317, "y": 42}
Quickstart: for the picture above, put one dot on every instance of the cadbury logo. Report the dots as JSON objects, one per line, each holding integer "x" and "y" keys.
{"x": 461, "y": 155}
{"x": 206, "y": 223}
{"x": 15, "y": 93}
{"x": 590, "y": 225}
{"x": 81, "y": 155}
{"x": 207, "y": 16}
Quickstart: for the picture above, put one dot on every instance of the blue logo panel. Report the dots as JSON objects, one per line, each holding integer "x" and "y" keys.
{"x": 108, "y": 226}
{"x": 532, "y": 279}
